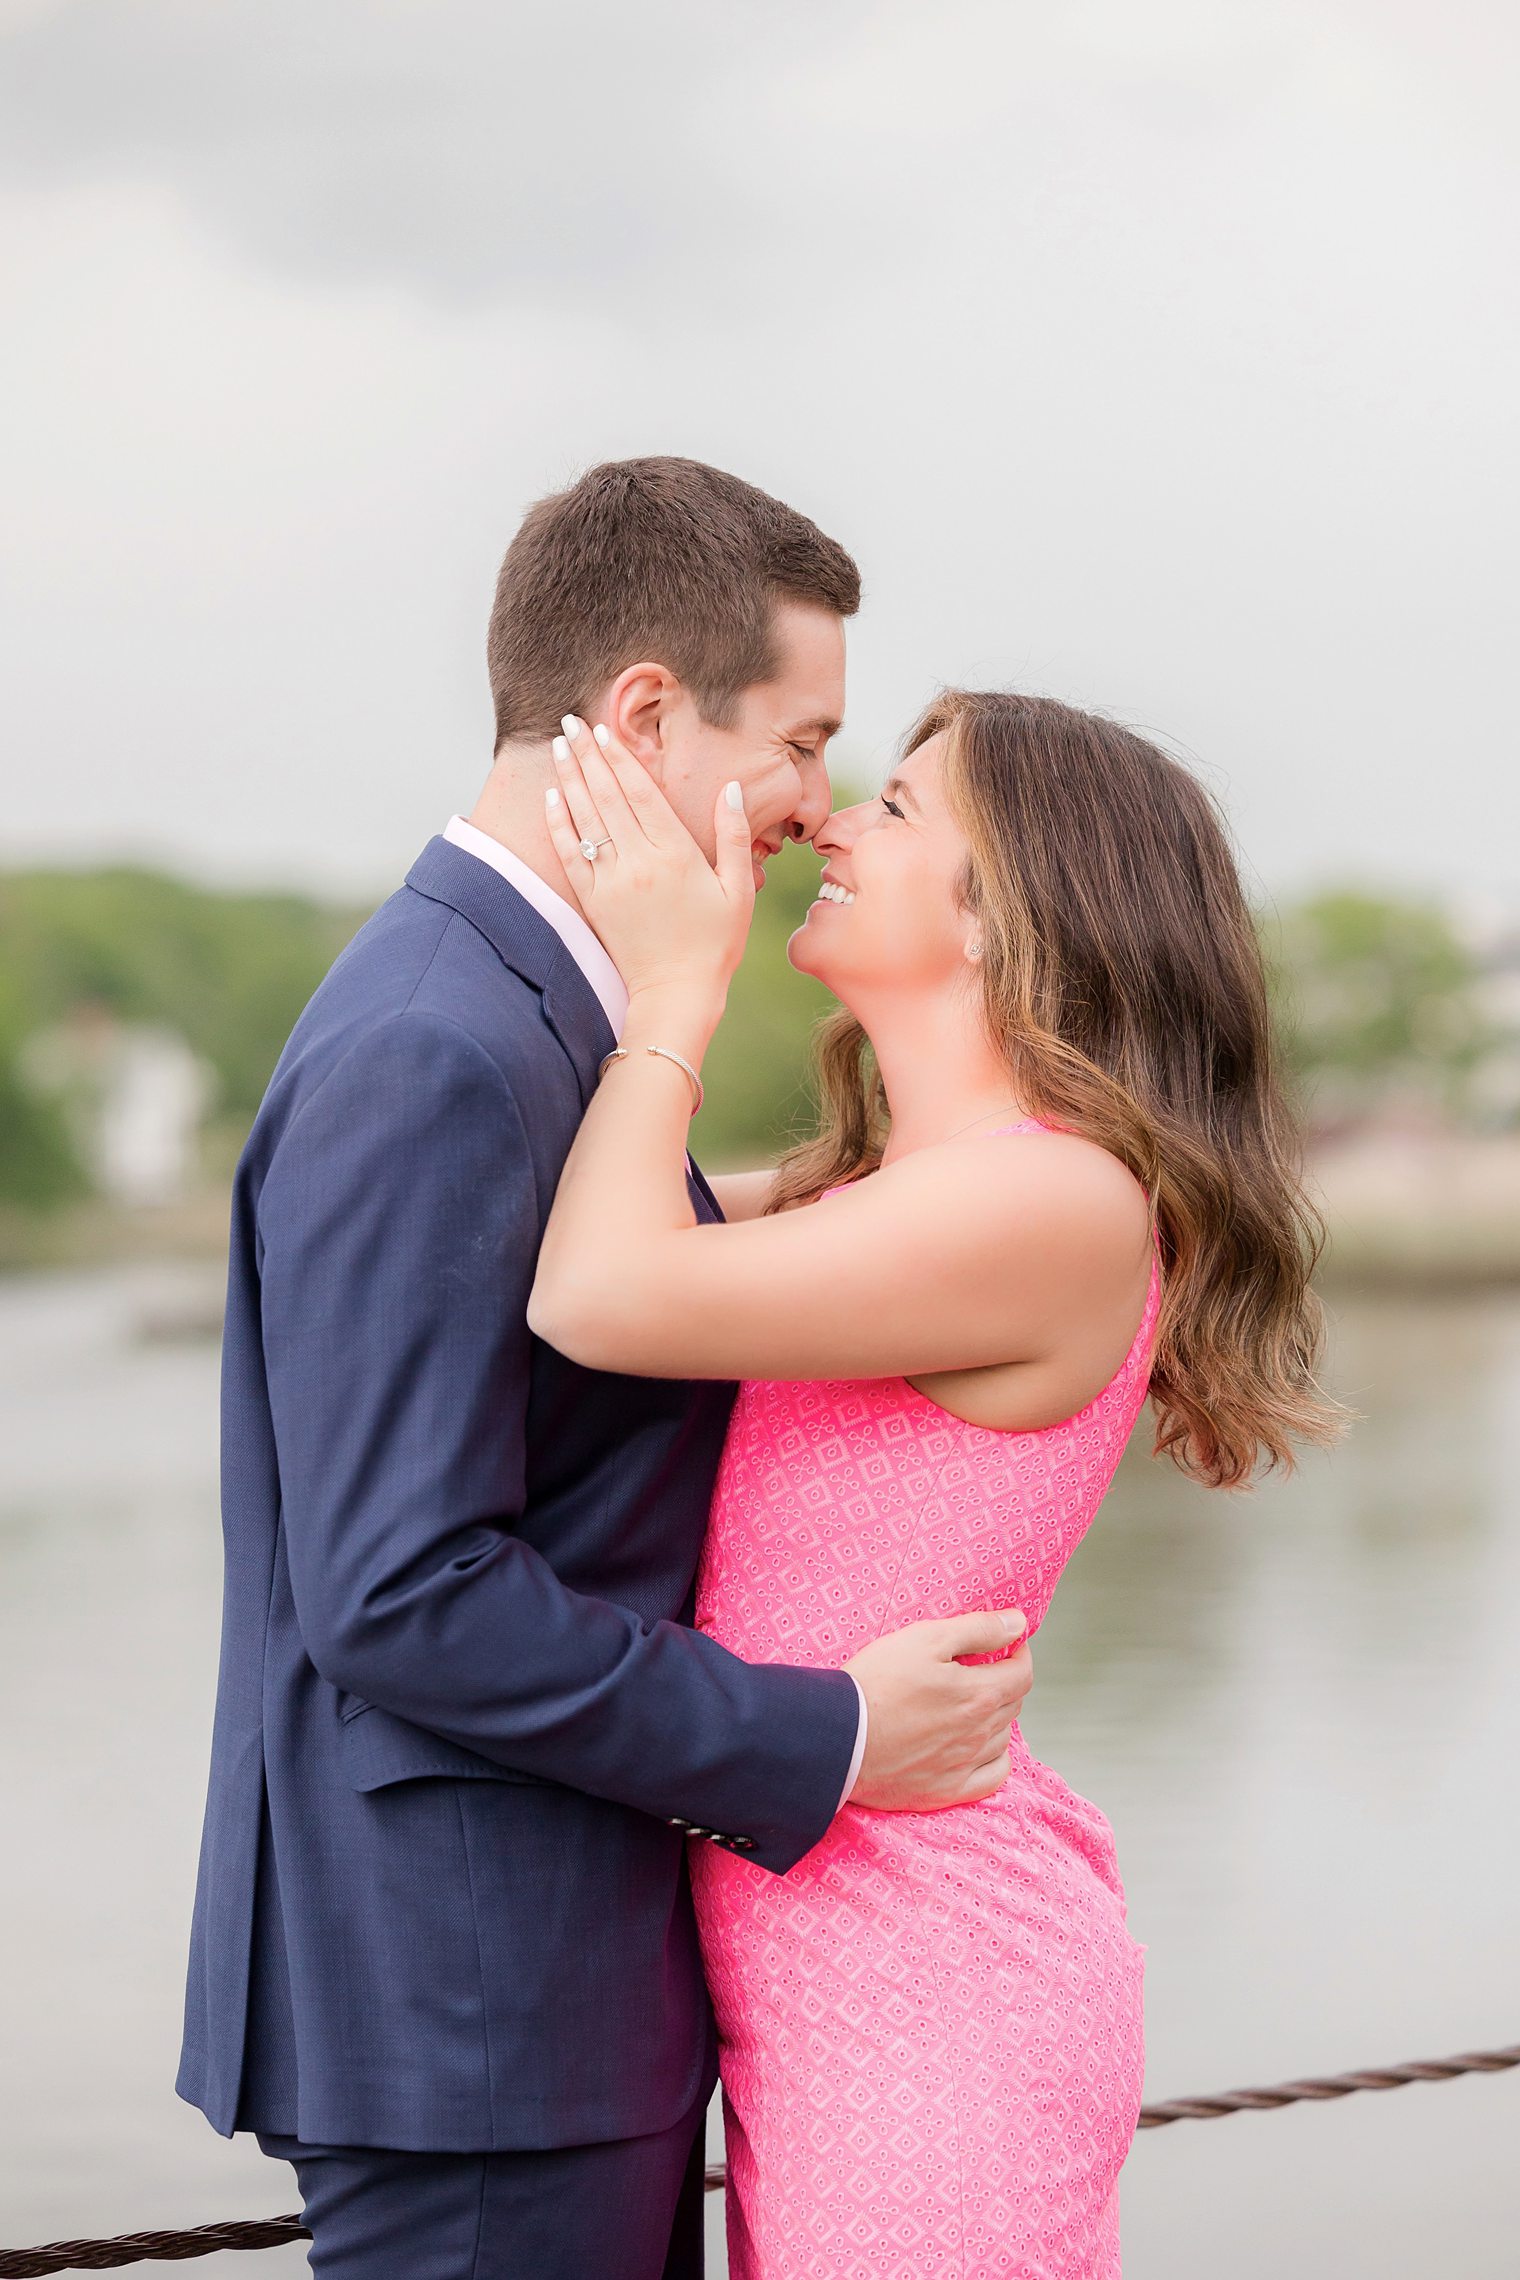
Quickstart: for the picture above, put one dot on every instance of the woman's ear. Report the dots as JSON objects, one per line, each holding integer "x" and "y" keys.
{"x": 637, "y": 712}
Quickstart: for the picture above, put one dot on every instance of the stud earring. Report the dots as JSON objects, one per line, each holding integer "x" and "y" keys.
{"x": 973, "y": 949}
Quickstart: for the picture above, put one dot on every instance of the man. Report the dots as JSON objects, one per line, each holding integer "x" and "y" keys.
{"x": 443, "y": 1957}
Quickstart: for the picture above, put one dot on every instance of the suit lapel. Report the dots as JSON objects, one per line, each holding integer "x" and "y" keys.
{"x": 575, "y": 1014}
{"x": 529, "y": 945}
{"x": 525, "y": 942}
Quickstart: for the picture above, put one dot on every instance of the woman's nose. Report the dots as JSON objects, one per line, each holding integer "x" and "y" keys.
{"x": 842, "y": 829}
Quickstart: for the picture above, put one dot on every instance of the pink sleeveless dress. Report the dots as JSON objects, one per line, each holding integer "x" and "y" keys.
{"x": 931, "y": 2032}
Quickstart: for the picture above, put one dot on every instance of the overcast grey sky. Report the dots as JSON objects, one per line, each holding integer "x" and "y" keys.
{"x": 1162, "y": 354}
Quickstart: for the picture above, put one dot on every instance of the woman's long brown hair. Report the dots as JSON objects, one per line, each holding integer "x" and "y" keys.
{"x": 1122, "y": 981}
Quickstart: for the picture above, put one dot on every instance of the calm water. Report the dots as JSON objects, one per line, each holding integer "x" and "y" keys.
{"x": 1301, "y": 1712}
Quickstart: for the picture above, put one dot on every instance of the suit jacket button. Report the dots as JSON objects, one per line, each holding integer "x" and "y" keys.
{"x": 675, "y": 1823}
{"x": 742, "y": 1844}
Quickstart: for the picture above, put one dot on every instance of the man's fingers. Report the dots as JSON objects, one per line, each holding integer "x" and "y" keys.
{"x": 1007, "y": 1680}
{"x": 988, "y": 1778}
{"x": 984, "y": 1634}
{"x": 1006, "y": 1695}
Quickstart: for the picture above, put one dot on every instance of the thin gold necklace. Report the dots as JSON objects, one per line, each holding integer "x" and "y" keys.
{"x": 976, "y": 1120}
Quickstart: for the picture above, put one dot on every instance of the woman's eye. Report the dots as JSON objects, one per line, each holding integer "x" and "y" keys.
{"x": 892, "y": 808}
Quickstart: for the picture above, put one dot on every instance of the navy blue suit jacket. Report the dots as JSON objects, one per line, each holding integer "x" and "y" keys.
{"x": 461, "y": 1713}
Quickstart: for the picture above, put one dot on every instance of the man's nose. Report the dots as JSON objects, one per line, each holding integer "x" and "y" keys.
{"x": 816, "y": 798}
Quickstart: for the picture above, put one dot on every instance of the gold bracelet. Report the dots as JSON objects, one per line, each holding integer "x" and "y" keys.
{"x": 620, "y": 1053}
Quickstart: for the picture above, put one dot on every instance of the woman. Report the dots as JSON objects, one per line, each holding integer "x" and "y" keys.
{"x": 1062, "y": 1179}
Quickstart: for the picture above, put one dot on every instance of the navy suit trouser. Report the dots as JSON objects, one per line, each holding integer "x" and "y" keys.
{"x": 629, "y": 2210}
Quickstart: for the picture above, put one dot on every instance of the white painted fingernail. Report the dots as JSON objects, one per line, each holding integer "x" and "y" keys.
{"x": 734, "y": 794}
{"x": 551, "y": 795}
{"x": 571, "y": 726}
{"x": 603, "y": 735}
{"x": 560, "y": 749}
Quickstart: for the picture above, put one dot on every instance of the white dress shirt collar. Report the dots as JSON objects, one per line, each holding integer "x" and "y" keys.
{"x": 566, "y": 921}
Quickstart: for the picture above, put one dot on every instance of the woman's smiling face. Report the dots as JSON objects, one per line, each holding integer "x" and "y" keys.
{"x": 889, "y": 913}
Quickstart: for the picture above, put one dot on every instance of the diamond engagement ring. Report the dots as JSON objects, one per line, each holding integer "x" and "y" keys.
{"x": 590, "y": 847}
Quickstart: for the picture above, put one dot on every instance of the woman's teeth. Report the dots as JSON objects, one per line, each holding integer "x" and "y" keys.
{"x": 828, "y": 892}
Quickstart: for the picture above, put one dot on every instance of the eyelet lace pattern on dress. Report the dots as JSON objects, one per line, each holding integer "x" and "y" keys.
{"x": 931, "y": 2028}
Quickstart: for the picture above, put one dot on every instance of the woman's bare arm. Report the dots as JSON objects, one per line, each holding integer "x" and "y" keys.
{"x": 980, "y": 1252}
{"x": 743, "y": 1195}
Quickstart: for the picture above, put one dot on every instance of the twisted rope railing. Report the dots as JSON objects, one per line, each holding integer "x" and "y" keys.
{"x": 277, "y": 2232}
{"x": 1322, "y": 2087}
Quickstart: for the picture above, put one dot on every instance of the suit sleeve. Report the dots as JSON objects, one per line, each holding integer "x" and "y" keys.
{"x": 400, "y": 1221}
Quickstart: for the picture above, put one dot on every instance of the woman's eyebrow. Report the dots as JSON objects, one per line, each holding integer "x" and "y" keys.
{"x": 895, "y": 785}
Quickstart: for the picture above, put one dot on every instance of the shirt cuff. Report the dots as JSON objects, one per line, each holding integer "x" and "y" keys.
{"x": 860, "y": 1741}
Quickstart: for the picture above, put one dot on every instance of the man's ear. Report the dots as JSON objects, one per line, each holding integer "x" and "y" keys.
{"x": 639, "y": 704}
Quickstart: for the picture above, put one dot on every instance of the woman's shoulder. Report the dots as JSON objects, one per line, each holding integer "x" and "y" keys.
{"x": 1067, "y": 1163}
{"x": 1052, "y": 1195}
{"x": 1031, "y": 1159}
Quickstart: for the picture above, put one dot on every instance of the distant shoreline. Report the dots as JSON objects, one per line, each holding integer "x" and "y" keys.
{"x": 1420, "y": 1211}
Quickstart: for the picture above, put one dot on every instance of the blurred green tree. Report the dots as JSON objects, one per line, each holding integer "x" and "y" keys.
{"x": 38, "y": 1166}
{"x": 228, "y": 971}
{"x": 1380, "y": 1009}
{"x": 1380, "y": 1005}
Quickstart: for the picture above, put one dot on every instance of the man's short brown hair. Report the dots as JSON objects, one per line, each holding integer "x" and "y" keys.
{"x": 657, "y": 558}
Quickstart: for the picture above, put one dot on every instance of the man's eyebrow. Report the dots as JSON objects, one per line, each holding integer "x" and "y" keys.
{"x": 896, "y": 784}
{"x": 819, "y": 727}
